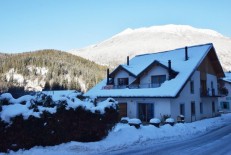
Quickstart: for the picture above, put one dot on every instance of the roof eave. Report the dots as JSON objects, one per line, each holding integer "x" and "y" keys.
{"x": 121, "y": 67}
{"x": 136, "y": 96}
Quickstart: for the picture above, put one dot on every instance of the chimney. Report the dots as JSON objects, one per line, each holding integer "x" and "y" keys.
{"x": 186, "y": 53}
{"x": 108, "y": 76}
{"x": 169, "y": 70}
{"x": 128, "y": 60}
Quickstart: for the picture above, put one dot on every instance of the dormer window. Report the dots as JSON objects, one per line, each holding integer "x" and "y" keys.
{"x": 157, "y": 80}
{"x": 122, "y": 81}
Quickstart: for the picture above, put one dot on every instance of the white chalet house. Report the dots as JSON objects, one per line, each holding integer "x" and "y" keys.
{"x": 225, "y": 99}
{"x": 183, "y": 81}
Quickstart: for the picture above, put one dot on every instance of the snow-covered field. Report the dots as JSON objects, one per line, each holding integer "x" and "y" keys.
{"x": 124, "y": 136}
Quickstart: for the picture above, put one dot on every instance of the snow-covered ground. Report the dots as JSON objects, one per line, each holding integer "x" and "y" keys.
{"x": 124, "y": 136}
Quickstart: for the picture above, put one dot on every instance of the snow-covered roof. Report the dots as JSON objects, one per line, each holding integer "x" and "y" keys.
{"x": 169, "y": 88}
{"x": 136, "y": 70}
{"x": 227, "y": 77}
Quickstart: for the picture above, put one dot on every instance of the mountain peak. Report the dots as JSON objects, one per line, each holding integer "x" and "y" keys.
{"x": 170, "y": 28}
{"x": 131, "y": 42}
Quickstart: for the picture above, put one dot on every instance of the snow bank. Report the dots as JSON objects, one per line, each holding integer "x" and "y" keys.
{"x": 124, "y": 136}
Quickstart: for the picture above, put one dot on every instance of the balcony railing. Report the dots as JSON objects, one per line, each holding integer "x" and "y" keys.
{"x": 208, "y": 92}
{"x": 132, "y": 86}
{"x": 148, "y": 85}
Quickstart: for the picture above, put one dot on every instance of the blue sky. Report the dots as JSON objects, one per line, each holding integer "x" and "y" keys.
{"x": 27, "y": 25}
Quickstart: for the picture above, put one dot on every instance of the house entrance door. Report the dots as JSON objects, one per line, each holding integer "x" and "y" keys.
{"x": 145, "y": 111}
{"x": 122, "y": 110}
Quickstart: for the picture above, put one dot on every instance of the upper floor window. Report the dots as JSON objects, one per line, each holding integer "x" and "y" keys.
{"x": 122, "y": 81}
{"x": 192, "y": 87}
{"x": 157, "y": 80}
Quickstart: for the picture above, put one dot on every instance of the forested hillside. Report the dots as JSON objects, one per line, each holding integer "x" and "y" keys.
{"x": 48, "y": 70}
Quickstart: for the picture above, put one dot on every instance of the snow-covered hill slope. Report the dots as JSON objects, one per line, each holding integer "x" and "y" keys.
{"x": 131, "y": 42}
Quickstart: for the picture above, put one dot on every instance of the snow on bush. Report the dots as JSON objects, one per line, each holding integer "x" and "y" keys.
{"x": 154, "y": 120}
{"x": 35, "y": 105}
{"x": 169, "y": 120}
{"x": 134, "y": 121}
{"x": 45, "y": 120}
{"x": 125, "y": 119}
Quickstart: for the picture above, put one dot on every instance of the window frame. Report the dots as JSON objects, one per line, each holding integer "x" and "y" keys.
{"x": 192, "y": 87}
{"x": 201, "y": 108}
{"x": 213, "y": 107}
{"x": 193, "y": 108}
{"x": 225, "y": 105}
{"x": 124, "y": 82}
{"x": 182, "y": 109}
{"x": 160, "y": 79}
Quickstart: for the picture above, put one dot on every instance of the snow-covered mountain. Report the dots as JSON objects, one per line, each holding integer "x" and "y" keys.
{"x": 131, "y": 42}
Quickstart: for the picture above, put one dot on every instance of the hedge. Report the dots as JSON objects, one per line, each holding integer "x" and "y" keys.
{"x": 66, "y": 124}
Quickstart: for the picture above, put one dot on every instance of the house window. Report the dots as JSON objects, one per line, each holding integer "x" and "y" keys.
{"x": 213, "y": 106}
{"x": 201, "y": 107}
{"x": 182, "y": 109}
{"x": 122, "y": 81}
{"x": 146, "y": 111}
{"x": 225, "y": 105}
{"x": 193, "y": 110}
{"x": 122, "y": 109}
{"x": 157, "y": 80}
{"x": 203, "y": 88}
{"x": 192, "y": 87}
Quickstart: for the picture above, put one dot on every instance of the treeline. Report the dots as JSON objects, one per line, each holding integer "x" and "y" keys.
{"x": 65, "y": 71}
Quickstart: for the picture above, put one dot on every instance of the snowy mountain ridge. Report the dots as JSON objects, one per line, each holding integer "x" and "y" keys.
{"x": 131, "y": 42}
{"x": 170, "y": 29}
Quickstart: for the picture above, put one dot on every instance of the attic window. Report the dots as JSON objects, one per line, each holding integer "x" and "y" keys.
{"x": 122, "y": 81}
{"x": 157, "y": 80}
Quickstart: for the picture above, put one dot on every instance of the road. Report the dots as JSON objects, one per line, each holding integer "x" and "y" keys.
{"x": 217, "y": 142}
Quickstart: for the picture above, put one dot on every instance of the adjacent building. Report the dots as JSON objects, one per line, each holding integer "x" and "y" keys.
{"x": 225, "y": 91}
{"x": 183, "y": 81}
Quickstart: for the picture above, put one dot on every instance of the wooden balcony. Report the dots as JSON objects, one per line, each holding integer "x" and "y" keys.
{"x": 208, "y": 93}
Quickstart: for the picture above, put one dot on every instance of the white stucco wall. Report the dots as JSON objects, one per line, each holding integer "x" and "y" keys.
{"x": 161, "y": 107}
{"x": 157, "y": 70}
{"x": 171, "y": 106}
{"x": 212, "y": 78}
{"x": 132, "y": 111}
{"x": 207, "y": 107}
{"x": 123, "y": 74}
{"x": 186, "y": 97}
{"x": 207, "y": 101}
